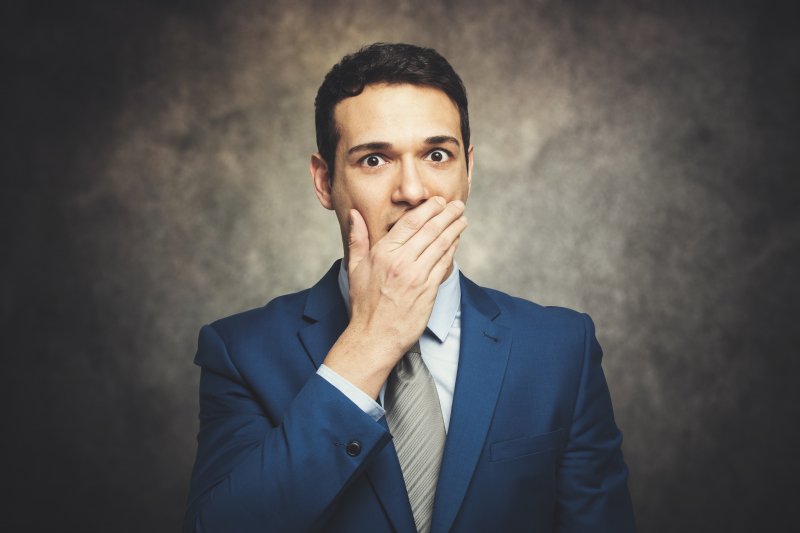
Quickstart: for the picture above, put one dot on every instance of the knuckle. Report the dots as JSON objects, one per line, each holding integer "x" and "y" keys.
{"x": 413, "y": 220}
{"x": 417, "y": 281}
{"x": 376, "y": 257}
{"x": 443, "y": 243}
{"x": 430, "y": 231}
{"x": 454, "y": 209}
{"x": 396, "y": 269}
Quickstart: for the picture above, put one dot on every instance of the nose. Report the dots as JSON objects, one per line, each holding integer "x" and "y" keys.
{"x": 410, "y": 187}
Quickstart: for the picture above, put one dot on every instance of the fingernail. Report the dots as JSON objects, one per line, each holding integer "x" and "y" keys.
{"x": 439, "y": 200}
{"x": 459, "y": 204}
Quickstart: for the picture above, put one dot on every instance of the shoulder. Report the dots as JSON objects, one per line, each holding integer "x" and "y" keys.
{"x": 287, "y": 312}
{"x": 556, "y": 333}
{"x": 277, "y": 315}
{"x": 520, "y": 312}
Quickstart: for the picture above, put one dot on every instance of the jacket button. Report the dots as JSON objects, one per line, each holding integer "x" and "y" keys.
{"x": 353, "y": 448}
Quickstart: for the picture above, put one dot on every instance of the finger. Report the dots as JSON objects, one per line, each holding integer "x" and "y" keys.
{"x": 358, "y": 240}
{"x": 440, "y": 269}
{"x": 414, "y": 219}
{"x": 441, "y": 244}
{"x": 433, "y": 229}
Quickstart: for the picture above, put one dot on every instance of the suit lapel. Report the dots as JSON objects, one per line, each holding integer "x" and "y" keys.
{"x": 386, "y": 478}
{"x": 326, "y": 315}
{"x": 485, "y": 346}
{"x": 327, "y": 318}
{"x": 318, "y": 338}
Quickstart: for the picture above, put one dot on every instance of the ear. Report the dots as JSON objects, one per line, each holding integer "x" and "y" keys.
{"x": 469, "y": 169}
{"x": 322, "y": 182}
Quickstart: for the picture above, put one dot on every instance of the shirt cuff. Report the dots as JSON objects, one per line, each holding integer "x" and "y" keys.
{"x": 356, "y": 395}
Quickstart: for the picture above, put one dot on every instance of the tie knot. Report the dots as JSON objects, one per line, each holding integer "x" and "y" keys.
{"x": 414, "y": 349}
{"x": 410, "y": 364}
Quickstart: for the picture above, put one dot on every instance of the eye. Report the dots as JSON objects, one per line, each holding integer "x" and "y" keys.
{"x": 439, "y": 155}
{"x": 373, "y": 160}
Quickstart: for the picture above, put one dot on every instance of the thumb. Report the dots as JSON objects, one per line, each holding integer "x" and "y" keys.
{"x": 358, "y": 244}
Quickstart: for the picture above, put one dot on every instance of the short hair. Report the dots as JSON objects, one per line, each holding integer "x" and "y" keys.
{"x": 392, "y": 63}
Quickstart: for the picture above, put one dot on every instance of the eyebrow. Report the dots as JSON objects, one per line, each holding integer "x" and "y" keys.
{"x": 369, "y": 146}
{"x": 442, "y": 139}
{"x": 436, "y": 139}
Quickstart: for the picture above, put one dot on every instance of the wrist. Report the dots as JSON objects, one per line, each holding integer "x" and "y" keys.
{"x": 363, "y": 360}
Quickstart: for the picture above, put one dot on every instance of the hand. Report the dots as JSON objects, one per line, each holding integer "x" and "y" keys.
{"x": 392, "y": 289}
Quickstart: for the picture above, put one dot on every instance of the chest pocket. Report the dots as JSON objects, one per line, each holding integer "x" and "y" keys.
{"x": 522, "y": 446}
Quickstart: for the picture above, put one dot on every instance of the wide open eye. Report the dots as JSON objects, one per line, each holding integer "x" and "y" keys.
{"x": 373, "y": 160}
{"x": 438, "y": 156}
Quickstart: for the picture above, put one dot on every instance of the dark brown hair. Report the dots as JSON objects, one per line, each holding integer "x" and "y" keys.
{"x": 383, "y": 63}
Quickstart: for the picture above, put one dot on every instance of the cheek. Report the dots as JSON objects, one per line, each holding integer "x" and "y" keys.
{"x": 464, "y": 189}
{"x": 375, "y": 223}
{"x": 370, "y": 212}
{"x": 458, "y": 189}
{"x": 367, "y": 202}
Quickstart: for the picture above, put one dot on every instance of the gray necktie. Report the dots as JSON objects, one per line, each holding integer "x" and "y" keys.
{"x": 415, "y": 420}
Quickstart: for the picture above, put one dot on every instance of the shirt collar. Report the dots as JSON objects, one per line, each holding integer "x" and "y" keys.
{"x": 445, "y": 307}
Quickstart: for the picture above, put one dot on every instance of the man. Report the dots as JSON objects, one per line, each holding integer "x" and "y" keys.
{"x": 395, "y": 394}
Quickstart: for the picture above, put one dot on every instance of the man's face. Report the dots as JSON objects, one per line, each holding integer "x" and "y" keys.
{"x": 398, "y": 146}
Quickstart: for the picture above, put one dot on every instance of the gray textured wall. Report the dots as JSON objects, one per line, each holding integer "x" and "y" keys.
{"x": 635, "y": 160}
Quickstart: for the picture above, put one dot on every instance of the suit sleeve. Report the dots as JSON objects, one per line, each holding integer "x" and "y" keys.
{"x": 592, "y": 488}
{"x": 254, "y": 475}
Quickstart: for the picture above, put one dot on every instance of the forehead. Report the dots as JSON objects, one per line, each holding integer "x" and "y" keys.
{"x": 396, "y": 113}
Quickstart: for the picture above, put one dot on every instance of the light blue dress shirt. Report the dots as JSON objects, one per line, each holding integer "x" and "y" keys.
{"x": 439, "y": 344}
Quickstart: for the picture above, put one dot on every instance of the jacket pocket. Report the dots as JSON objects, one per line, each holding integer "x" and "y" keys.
{"x": 521, "y": 446}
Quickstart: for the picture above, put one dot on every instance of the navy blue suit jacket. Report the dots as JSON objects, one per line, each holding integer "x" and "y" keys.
{"x": 532, "y": 444}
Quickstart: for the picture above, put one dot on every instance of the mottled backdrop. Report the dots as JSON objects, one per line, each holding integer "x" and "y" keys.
{"x": 634, "y": 160}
